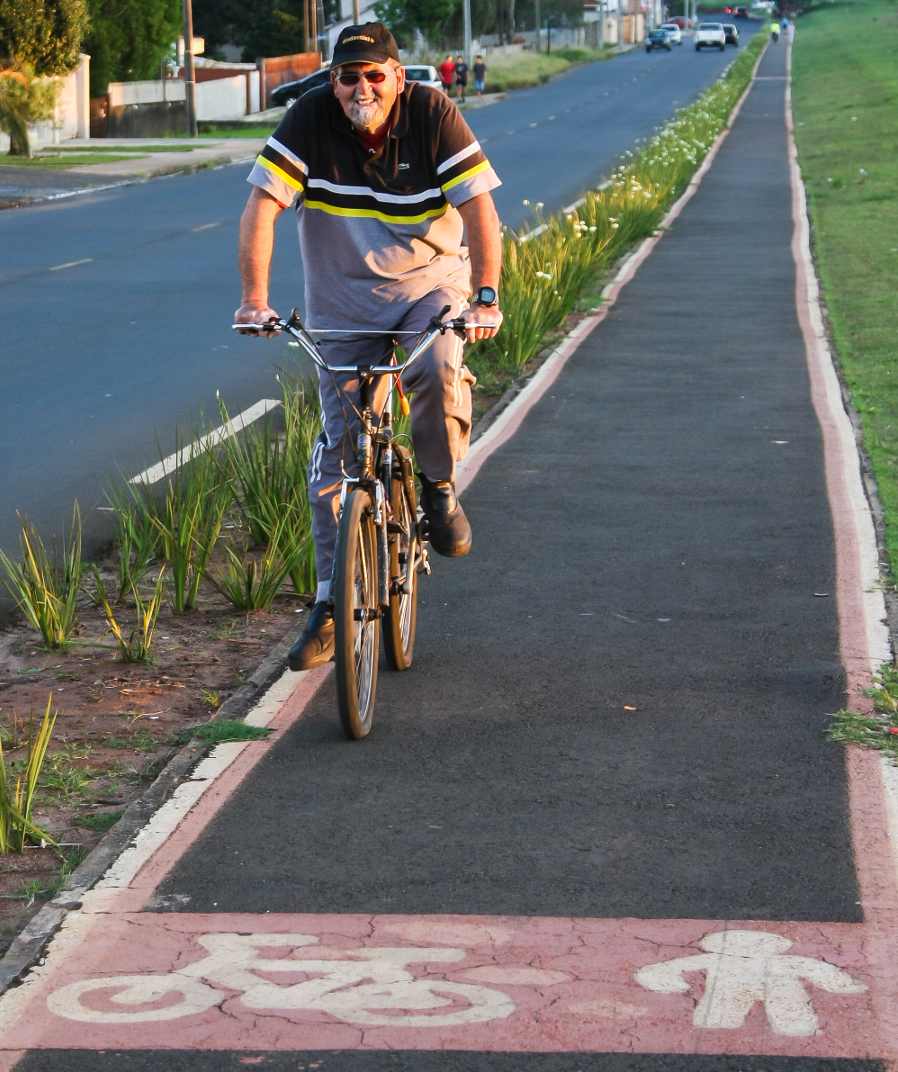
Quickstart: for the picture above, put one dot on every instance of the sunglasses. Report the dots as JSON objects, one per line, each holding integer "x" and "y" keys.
{"x": 372, "y": 77}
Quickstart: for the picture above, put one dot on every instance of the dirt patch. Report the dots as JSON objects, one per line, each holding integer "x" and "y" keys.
{"x": 117, "y": 724}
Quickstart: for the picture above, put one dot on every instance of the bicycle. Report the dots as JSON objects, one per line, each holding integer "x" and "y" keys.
{"x": 380, "y": 550}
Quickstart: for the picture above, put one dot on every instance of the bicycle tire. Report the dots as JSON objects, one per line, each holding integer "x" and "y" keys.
{"x": 356, "y": 614}
{"x": 400, "y": 619}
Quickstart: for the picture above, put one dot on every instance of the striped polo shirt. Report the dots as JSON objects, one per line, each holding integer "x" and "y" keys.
{"x": 377, "y": 231}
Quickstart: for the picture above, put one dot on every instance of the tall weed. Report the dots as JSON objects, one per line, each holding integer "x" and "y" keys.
{"x": 46, "y": 590}
{"x": 16, "y": 827}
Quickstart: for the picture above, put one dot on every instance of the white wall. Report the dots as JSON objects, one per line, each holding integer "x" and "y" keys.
{"x": 71, "y": 118}
{"x": 223, "y": 98}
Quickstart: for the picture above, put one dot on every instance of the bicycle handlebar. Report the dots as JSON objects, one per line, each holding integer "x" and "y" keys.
{"x": 295, "y": 327}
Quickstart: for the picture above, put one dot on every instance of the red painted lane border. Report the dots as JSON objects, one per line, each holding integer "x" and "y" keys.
{"x": 863, "y": 637}
{"x": 543, "y": 985}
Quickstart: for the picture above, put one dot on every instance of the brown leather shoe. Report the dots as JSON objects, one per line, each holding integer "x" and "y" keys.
{"x": 447, "y": 527}
{"x": 316, "y": 645}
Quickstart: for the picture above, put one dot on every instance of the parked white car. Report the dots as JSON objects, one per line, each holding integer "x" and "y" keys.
{"x": 710, "y": 35}
{"x": 424, "y": 74}
{"x": 673, "y": 32}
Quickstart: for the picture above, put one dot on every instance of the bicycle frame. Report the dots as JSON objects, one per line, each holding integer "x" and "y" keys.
{"x": 374, "y": 453}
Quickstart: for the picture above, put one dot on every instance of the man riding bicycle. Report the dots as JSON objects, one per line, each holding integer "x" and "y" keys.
{"x": 396, "y": 221}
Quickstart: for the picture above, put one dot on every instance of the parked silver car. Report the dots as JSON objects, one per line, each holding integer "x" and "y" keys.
{"x": 424, "y": 74}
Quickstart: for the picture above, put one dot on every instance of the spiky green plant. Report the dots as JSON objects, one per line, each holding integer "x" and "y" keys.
{"x": 46, "y": 590}
{"x": 269, "y": 474}
{"x": 16, "y": 827}
{"x": 251, "y": 583}
{"x": 189, "y": 521}
{"x": 136, "y": 646}
{"x": 137, "y": 540}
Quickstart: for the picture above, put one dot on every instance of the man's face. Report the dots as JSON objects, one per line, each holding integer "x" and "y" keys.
{"x": 368, "y": 104}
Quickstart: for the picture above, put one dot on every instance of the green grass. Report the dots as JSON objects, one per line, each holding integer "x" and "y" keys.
{"x": 60, "y": 164}
{"x": 228, "y": 729}
{"x": 100, "y": 823}
{"x": 249, "y": 130}
{"x": 532, "y": 69}
{"x": 843, "y": 66}
{"x": 121, "y": 149}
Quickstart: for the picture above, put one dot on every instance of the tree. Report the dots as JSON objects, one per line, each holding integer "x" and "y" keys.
{"x": 24, "y": 100}
{"x": 44, "y": 35}
{"x": 440, "y": 21}
{"x": 260, "y": 28}
{"x": 128, "y": 39}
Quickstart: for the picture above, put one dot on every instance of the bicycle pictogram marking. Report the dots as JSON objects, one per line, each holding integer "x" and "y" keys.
{"x": 357, "y": 986}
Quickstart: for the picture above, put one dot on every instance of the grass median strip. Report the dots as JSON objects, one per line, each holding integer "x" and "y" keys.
{"x": 845, "y": 87}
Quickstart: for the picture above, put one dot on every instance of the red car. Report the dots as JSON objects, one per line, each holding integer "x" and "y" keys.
{"x": 682, "y": 22}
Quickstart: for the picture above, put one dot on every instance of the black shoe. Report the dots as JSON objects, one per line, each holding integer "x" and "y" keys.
{"x": 316, "y": 645}
{"x": 447, "y": 527}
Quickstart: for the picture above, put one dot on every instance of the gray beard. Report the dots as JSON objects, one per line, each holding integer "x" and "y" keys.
{"x": 368, "y": 117}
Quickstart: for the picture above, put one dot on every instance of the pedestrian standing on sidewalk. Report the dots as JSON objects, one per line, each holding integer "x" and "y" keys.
{"x": 479, "y": 77}
{"x": 461, "y": 78}
{"x": 774, "y": 32}
{"x": 447, "y": 74}
{"x": 391, "y": 192}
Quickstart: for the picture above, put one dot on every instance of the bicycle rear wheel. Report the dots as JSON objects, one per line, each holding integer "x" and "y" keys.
{"x": 356, "y": 623}
{"x": 401, "y": 617}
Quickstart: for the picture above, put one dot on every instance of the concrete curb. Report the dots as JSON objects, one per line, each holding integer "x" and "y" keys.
{"x": 28, "y": 947}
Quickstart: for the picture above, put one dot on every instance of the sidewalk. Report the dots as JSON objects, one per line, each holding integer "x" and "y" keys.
{"x": 597, "y": 825}
{"x": 23, "y": 184}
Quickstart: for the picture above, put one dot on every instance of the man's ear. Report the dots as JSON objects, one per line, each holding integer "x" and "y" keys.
{"x": 333, "y": 76}
{"x": 400, "y": 79}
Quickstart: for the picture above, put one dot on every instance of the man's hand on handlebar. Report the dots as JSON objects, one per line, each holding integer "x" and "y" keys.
{"x": 481, "y": 314}
{"x": 257, "y": 314}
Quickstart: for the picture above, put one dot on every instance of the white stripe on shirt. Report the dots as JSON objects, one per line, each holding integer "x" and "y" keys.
{"x": 453, "y": 160}
{"x": 366, "y": 191}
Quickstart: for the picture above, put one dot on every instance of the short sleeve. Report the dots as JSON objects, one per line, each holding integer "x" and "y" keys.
{"x": 463, "y": 170}
{"x": 280, "y": 169}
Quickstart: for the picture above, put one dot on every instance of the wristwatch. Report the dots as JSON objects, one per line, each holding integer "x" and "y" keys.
{"x": 485, "y": 296}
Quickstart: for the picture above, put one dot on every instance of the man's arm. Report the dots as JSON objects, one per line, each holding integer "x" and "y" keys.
{"x": 254, "y": 257}
{"x": 485, "y": 244}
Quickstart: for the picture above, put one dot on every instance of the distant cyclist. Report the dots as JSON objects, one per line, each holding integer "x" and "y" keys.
{"x": 388, "y": 184}
{"x": 774, "y": 32}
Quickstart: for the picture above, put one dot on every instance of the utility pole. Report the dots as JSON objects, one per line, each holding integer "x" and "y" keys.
{"x": 511, "y": 22}
{"x": 601, "y": 23}
{"x": 539, "y": 21}
{"x": 356, "y": 12}
{"x": 189, "y": 73}
{"x": 466, "y": 7}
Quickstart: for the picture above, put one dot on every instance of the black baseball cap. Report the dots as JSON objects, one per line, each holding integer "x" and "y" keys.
{"x": 369, "y": 43}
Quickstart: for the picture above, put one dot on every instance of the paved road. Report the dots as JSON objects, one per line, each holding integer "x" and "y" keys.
{"x": 610, "y": 744}
{"x": 133, "y": 337}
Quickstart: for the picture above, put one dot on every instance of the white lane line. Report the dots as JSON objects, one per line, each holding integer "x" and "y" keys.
{"x": 205, "y": 226}
{"x": 69, "y": 264}
{"x": 218, "y": 435}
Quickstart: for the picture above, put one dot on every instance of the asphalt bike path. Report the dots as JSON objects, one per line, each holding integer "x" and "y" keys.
{"x": 597, "y": 825}
{"x": 116, "y": 305}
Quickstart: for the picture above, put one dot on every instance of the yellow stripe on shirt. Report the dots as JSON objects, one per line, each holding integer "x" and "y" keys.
{"x": 281, "y": 174}
{"x": 484, "y": 165}
{"x": 373, "y": 214}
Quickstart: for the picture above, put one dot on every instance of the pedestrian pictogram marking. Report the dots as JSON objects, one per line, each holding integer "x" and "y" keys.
{"x": 743, "y": 968}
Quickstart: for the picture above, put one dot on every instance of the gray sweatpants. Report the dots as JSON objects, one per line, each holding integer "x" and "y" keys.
{"x": 441, "y": 411}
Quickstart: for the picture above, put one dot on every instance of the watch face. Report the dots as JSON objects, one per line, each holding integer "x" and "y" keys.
{"x": 486, "y": 296}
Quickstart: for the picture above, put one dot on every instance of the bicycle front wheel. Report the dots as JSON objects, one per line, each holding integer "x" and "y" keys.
{"x": 356, "y": 614}
{"x": 401, "y": 617}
